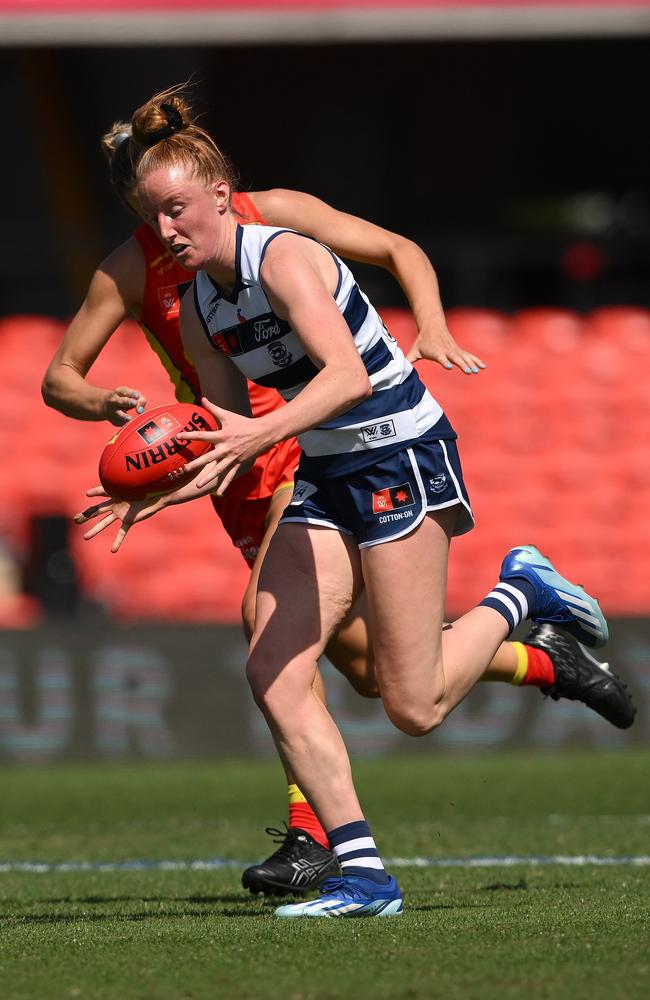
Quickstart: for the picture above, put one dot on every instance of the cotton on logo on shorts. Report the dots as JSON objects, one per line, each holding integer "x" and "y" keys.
{"x": 391, "y": 498}
{"x": 378, "y": 432}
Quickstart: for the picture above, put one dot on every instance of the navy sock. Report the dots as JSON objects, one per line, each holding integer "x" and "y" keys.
{"x": 356, "y": 851}
{"x": 514, "y": 600}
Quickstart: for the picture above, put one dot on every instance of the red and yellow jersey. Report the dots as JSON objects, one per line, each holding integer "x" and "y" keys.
{"x": 165, "y": 284}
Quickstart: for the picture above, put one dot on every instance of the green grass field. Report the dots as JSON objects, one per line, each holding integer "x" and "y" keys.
{"x": 468, "y": 932}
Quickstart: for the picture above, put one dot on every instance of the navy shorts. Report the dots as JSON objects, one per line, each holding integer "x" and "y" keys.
{"x": 387, "y": 499}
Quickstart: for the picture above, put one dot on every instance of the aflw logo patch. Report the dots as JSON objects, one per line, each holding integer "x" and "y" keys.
{"x": 378, "y": 432}
{"x": 156, "y": 428}
{"x": 392, "y": 498}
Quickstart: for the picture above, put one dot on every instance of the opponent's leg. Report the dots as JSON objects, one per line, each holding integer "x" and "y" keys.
{"x": 350, "y": 651}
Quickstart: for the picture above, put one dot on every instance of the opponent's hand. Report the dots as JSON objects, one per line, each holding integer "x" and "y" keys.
{"x": 437, "y": 344}
{"x": 236, "y": 444}
{"x": 119, "y": 402}
{"x": 113, "y": 511}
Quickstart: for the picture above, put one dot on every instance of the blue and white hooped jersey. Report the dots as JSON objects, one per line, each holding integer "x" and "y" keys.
{"x": 267, "y": 351}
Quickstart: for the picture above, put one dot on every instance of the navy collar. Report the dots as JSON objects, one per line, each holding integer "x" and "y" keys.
{"x": 239, "y": 285}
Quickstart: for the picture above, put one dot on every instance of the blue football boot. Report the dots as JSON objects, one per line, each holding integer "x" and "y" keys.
{"x": 349, "y": 896}
{"x": 557, "y": 600}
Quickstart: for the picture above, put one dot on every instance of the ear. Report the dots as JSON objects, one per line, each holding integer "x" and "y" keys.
{"x": 221, "y": 192}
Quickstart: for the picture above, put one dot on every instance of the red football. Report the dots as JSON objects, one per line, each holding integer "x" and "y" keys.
{"x": 145, "y": 457}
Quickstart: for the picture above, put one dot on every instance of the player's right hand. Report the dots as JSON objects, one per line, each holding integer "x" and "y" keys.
{"x": 128, "y": 512}
{"x": 119, "y": 402}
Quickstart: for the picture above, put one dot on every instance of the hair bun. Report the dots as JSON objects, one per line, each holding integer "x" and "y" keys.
{"x": 160, "y": 118}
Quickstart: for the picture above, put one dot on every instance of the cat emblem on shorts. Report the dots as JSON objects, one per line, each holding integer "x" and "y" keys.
{"x": 280, "y": 355}
{"x": 438, "y": 483}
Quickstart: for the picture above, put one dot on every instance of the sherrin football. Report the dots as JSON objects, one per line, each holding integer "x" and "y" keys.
{"x": 145, "y": 457}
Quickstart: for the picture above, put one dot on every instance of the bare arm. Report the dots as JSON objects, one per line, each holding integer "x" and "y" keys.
{"x": 115, "y": 292}
{"x": 225, "y": 383}
{"x": 357, "y": 239}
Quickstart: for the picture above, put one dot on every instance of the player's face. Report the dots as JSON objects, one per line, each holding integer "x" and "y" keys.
{"x": 187, "y": 215}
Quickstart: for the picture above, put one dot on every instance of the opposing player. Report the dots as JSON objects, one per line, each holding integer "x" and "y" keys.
{"x": 312, "y": 304}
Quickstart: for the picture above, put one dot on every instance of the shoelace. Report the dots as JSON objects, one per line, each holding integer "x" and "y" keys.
{"x": 286, "y": 838}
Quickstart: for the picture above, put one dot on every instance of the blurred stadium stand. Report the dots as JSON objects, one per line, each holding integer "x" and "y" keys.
{"x": 554, "y": 437}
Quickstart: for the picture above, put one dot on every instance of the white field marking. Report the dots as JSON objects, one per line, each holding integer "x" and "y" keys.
{"x": 215, "y": 864}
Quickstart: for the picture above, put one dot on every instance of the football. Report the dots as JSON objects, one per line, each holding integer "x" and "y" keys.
{"x": 145, "y": 457}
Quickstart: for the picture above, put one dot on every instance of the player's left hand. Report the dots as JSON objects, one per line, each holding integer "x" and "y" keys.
{"x": 237, "y": 442}
{"x": 435, "y": 343}
{"x": 112, "y": 511}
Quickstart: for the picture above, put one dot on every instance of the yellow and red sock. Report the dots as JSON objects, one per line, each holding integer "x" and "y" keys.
{"x": 302, "y": 816}
{"x": 534, "y": 666}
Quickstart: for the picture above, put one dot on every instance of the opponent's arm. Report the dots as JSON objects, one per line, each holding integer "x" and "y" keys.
{"x": 224, "y": 382}
{"x": 115, "y": 292}
{"x": 357, "y": 239}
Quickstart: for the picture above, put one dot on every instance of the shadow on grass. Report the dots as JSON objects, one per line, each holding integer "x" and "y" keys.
{"x": 101, "y": 900}
{"x": 167, "y": 908}
{"x": 506, "y": 886}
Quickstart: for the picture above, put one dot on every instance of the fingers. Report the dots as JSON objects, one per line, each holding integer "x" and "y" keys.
{"x": 121, "y": 401}
{"x": 211, "y": 408}
{"x": 196, "y": 435}
{"x": 106, "y": 522}
{"x": 211, "y": 475}
{"x": 90, "y": 512}
{"x": 119, "y": 538}
{"x": 201, "y": 461}
{"x": 130, "y": 398}
{"x": 227, "y": 479}
{"x": 468, "y": 363}
{"x": 95, "y": 509}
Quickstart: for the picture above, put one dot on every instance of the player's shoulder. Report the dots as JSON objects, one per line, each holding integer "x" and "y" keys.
{"x": 124, "y": 259}
{"x": 280, "y": 206}
{"x": 125, "y": 266}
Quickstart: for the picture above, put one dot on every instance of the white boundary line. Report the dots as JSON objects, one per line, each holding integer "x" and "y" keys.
{"x": 291, "y": 27}
{"x": 215, "y": 864}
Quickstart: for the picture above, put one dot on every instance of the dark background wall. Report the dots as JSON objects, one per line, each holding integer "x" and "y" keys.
{"x": 522, "y": 167}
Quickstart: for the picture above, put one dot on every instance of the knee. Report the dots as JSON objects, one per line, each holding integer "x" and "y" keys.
{"x": 276, "y": 691}
{"x": 416, "y": 719}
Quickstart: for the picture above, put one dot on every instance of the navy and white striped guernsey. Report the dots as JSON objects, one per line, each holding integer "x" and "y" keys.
{"x": 265, "y": 348}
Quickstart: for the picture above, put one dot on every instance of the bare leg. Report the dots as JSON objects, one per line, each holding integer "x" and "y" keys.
{"x": 297, "y": 612}
{"x": 503, "y": 665}
{"x": 278, "y": 502}
{"x": 423, "y": 671}
{"x": 350, "y": 651}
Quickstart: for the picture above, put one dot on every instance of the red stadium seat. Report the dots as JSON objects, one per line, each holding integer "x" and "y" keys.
{"x": 553, "y": 437}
